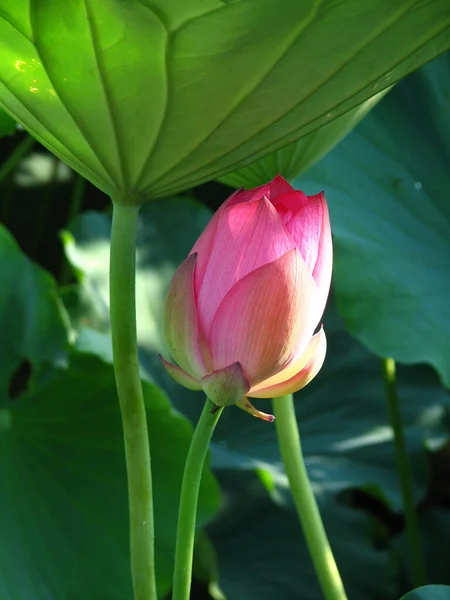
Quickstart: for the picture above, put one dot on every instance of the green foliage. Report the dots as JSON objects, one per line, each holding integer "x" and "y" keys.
{"x": 262, "y": 555}
{"x": 146, "y": 98}
{"x": 391, "y": 221}
{"x": 32, "y": 318}
{"x": 296, "y": 158}
{"x": 359, "y": 454}
{"x": 7, "y": 125}
{"x": 63, "y": 507}
{"x": 429, "y": 592}
{"x": 390, "y": 218}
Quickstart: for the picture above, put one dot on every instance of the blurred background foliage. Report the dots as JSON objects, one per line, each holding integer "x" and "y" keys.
{"x": 63, "y": 502}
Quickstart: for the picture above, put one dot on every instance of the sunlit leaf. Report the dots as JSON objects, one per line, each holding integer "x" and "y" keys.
{"x": 296, "y": 158}
{"x": 148, "y": 97}
{"x": 7, "y": 125}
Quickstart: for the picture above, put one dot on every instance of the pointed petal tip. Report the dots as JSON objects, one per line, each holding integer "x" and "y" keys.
{"x": 180, "y": 376}
{"x": 315, "y": 354}
{"x": 248, "y": 407}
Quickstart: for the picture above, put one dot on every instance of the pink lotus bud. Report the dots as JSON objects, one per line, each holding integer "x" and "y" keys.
{"x": 242, "y": 309}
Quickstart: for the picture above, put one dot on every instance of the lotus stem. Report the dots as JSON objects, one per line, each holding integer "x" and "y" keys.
{"x": 305, "y": 502}
{"x": 131, "y": 399}
{"x": 189, "y": 499}
{"x": 413, "y": 537}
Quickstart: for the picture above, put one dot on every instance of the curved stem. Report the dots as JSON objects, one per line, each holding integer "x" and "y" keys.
{"x": 134, "y": 418}
{"x": 413, "y": 537}
{"x": 307, "y": 509}
{"x": 189, "y": 499}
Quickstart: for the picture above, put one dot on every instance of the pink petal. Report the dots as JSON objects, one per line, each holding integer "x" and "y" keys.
{"x": 279, "y": 186}
{"x": 247, "y": 236}
{"x": 181, "y": 376}
{"x": 266, "y": 318}
{"x": 324, "y": 264}
{"x": 204, "y": 243}
{"x": 180, "y": 320}
{"x": 300, "y": 379}
{"x": 294, "y": 367}
{"x": 305, "y": 227}
{"x": 246, "y": 405}
{"x": 270, "y": 190}
{"x": 226, "y": 386}
{"x": 307, "y": 220}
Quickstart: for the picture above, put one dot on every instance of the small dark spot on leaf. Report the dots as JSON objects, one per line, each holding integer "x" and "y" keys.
{"x": 19, "y": 381}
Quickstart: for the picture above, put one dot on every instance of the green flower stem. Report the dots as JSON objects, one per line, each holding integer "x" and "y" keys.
{"x": 413, "y": 537}
{"x": 307, "y": 509}
{"x": 189, "y": 499}
{"x": 134, "y": 419}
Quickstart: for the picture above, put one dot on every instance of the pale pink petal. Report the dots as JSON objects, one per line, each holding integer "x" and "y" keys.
{"x": 226, "y": 386}
{"x": 324, "y": 264}
{"x": 246, "y": 405}
{"x": 180, "y": 320}
{"x": 204, "y": 243}
{"x": 300, "y": 379}
{"x": 306, "y": 228}
{"x": 248, "y": 235}
{"x": 266, "y": 318}
{"x": 249, "y": 196}
{"x": 294, "y": 367}
{"x": 181, "y": 376}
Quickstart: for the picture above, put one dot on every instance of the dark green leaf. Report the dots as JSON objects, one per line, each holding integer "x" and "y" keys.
{"x": 148, "y": 97}
{"x": 387, "y": 185}
{"x": 32, "y": 319}
{"x": 429, "y": 592}
{"x": 63, "y": 507}
{"x": 263, "y": 556}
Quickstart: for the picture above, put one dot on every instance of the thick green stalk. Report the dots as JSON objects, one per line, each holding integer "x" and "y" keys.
{"x": 134, "y": 419}
{"x": 189, "y": 499}
{"x": 307, "y": 509}
{"x": 413, "y": 537}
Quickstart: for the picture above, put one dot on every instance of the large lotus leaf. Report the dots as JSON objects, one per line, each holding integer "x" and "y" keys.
{"x": 63, "y": 506}
{"x": 147, "y": 97}
{"x": 342, "y": 414}
{"x": 32, "y": 318}
{"x": 296, "y": 158}
{"x": 262, "y": 554}
{"x": 63, "y": 500}
{"x": 387, "y": 185}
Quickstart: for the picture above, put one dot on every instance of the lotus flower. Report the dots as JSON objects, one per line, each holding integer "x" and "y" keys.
{"x": 242, "y": 309}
